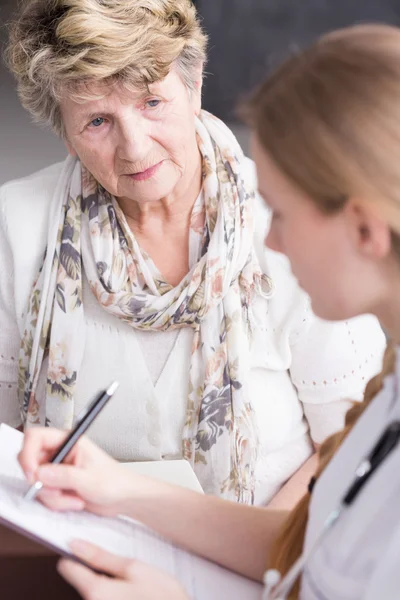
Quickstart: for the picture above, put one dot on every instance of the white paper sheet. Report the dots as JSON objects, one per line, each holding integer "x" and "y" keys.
{"x": 202, "y": 579}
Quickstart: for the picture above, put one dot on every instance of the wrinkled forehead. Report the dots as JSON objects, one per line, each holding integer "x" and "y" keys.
{"x": 85, "y": 97}
{"x": 92, "y": 89}
{"x": 82, "y": 93}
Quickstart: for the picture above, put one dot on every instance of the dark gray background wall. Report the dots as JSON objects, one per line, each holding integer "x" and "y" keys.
{"x": 24, "y": 147}
{"x": 247, "y": 37}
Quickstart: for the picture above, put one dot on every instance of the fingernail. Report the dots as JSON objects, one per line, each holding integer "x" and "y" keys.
{"x": 81, "y": 548}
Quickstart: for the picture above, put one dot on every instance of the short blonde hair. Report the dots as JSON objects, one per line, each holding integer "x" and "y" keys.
{"x": 64, "y": 45}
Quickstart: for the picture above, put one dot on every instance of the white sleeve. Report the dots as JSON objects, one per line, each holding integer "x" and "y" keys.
{"x": 331, "y": 364}
{"x": 9, "y": 333}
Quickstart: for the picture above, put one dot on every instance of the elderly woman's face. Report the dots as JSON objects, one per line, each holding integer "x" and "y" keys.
{"x": 139, "y": 146}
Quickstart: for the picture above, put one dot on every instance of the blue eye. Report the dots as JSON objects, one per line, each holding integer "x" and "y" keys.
{"x": 97, "y": 122}
{"x": 153, "y": 103}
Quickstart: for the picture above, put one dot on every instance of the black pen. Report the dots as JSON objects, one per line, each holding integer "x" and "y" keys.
{"x": 383, "y": 447}
{"x": 85, "y": 419}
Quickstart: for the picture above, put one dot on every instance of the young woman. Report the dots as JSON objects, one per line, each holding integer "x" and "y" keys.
{"x": 327, "y": 147}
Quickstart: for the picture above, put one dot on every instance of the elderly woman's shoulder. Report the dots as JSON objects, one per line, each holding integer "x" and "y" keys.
{"x": 36, "y": 188}
{"x": 27, "y": 200}
{"x": 24, "y": 219}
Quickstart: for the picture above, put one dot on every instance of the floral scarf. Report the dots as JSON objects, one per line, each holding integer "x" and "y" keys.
{"x": 88, "y": 232}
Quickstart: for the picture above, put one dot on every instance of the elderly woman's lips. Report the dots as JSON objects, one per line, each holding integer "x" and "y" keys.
{"x": 143, "y": 175}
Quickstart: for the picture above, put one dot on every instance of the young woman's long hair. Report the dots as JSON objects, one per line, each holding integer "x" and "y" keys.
{"x": 329, "y": 118}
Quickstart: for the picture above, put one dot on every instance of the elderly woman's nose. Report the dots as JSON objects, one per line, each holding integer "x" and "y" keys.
{"x": 133, "y": 144}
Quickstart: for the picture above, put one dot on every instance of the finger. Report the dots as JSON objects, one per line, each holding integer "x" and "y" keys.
{"x": 39, "y": 445}
{"x": 61, "y": 501}
{"x": 64, "y": 477}
{"x": 80, "y": 577}
{"x": 102, "y": 560}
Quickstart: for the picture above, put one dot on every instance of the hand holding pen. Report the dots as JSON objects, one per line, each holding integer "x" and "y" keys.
{"x": 46, "y": 447}
{"x": 88, "y": 479}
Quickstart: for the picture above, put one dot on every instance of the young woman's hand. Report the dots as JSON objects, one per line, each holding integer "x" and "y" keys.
{"x": 88, "y": 478}
{"x": 132, "y": 580}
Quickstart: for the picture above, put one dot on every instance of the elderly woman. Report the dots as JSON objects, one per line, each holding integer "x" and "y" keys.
{"x": 141, "y": 259}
